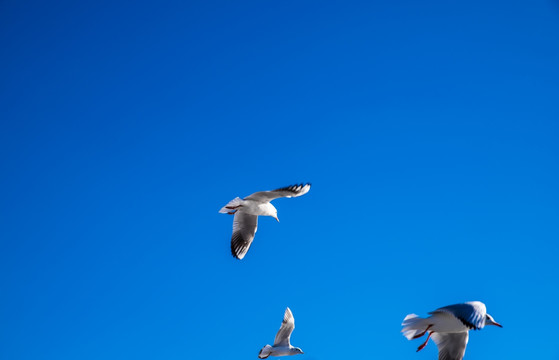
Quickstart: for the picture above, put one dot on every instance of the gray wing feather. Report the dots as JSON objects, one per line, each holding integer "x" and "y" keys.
{"x": 452, "y": 346}
{"x": 471, "y": 314}
{"x": 244, "y": 228}
{"x": 284, "y": 333}
{"x": 288, "y": 191}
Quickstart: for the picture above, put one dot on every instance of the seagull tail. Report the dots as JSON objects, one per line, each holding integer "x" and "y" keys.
{"x": 413, "y": 325}
{"x": 265, "y": 352}
{"x": 232, "y": 205}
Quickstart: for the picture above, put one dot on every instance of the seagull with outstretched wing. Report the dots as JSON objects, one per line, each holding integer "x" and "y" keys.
{"x": 247, "y": 210}
{"x": 282, "y": 345}
{"x": 448, "y": 327}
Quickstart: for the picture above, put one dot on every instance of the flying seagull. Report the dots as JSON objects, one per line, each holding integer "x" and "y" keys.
{"x": 247, "y": 211}
{"x": 449, "y": 326}
{"x": 282, "y": 346}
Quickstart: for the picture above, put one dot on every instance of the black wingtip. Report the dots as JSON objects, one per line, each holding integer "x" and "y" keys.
{"x": 234, "y": 254}
{"x": 294, "y": 186}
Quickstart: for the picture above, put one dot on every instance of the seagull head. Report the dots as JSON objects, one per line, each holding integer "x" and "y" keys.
{"x": 489, "y": 321}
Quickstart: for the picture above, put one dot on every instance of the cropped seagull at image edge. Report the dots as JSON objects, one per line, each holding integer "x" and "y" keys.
{"x": 282, "y": 346}
{"x": 449, "y": 326}
{"x": 247, "y": 210}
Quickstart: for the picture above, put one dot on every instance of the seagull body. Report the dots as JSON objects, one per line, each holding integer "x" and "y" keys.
{"x": 449, "y": 326}
{"x": 247, "y": 210}
{"x": 277, "y": 351}
{"x": 282, "y": 345}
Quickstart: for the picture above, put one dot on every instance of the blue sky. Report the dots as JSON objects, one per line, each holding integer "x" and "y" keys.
{"x": 428, "y": 130}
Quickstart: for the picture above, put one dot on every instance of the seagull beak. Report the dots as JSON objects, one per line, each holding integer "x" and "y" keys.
{"x": 277, "y": 218}
{"x": 496, "y": 324}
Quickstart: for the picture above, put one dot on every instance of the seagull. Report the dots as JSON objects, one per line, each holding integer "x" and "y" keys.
{"x": 247, "y": 211}
{"x": 282, "y": 346}
{"x": 449, "y": 326}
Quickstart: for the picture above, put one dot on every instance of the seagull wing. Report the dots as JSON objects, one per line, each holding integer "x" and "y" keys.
{"x": 288, "y": 191}
{"x": 471, "y": 314}
{"x": 287, "y": 326}
{"x": 452, "y": 346}
{"x": 244, "y": 228}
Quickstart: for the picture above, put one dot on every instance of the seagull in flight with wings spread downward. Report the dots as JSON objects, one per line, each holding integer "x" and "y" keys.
{"x": 247, "y": 210}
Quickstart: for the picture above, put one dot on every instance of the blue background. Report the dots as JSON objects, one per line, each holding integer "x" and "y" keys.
{"x": 428, "y": 129}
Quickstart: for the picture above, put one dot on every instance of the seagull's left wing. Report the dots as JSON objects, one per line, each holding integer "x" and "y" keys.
{"x": 288, "y": 191}
{"x": 452, "y": 346}
{"x": 287, "y": 326}
{"x": 244, "y": 229}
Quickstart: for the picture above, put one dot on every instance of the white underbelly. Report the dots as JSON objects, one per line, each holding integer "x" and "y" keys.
{"x": 258, "y": 209}
{"x": 281, "y": 351}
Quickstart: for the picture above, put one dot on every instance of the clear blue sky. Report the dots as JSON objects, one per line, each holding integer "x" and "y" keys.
{"x": 428, "y": 129}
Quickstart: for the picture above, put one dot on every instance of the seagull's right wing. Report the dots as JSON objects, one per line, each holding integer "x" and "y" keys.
{"x": 452, "y": 346}
{"x": 471, "y": 314}
{"x": 287, "y": 326}
{"x": 288, "y": 191}
{"x": 244, "y": 228}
